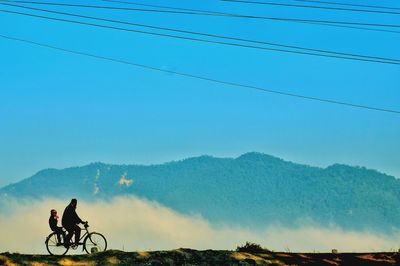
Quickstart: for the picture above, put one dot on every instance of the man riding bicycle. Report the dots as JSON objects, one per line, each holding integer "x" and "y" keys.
{"x": 70, "y": 221}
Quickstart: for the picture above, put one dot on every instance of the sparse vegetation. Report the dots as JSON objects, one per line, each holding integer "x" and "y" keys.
{"x": 205, "y": 258}
{"x": 253, "y": 248}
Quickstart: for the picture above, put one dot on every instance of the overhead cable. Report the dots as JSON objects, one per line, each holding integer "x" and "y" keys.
{"x": 166, "y": 7}
{"x": 204, "y": 78}
{"x": 198, "y": 39}
{"x": 220, "y": 14}
{"x": 330, "y": 24}
{"x": 208, "y": 34}
{"x": 343, "y": 4}
{"x": 313, "y": 7}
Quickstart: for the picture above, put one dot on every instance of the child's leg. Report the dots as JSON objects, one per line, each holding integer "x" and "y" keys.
{"x": 59, "y": 232}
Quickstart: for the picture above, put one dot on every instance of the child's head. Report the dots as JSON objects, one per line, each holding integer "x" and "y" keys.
{"x": 53, "y": 212}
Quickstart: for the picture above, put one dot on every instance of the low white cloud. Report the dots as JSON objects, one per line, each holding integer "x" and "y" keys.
{"x": 124, "y": 181}
{"x": 136, "y": 224}
{"x": 96, "y": 189}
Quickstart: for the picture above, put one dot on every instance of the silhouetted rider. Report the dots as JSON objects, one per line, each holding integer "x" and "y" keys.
{"x": 70, "y": 221}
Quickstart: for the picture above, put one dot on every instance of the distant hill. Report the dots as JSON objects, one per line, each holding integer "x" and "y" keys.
{"x": 254, "y": 189}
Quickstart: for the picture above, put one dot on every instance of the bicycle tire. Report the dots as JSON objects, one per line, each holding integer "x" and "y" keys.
{"x": 97, "y": 240}
{"x": 63, "y": 250}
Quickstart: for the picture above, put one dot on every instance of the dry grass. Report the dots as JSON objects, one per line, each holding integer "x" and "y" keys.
{"x": 143, "y": 254}
{"x": 113, "y": 261}
{"x": 35, "y": 263}
{"x": 331, "y": 262}
{"x": 206, "y": 257}
{"x": 69, "y": 262}
{"x": 382, "y": 259}
{"x": 6, "y": 261}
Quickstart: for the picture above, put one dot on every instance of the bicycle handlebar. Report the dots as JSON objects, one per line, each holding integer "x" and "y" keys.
{"x": 85, "y": 225}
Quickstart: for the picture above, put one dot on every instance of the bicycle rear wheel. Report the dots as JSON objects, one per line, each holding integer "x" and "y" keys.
{"x": 95, "y": 242}
{"x": 54, "y": 247}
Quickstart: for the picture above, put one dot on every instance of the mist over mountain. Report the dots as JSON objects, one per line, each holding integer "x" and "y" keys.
{"x": 252, "y": 190}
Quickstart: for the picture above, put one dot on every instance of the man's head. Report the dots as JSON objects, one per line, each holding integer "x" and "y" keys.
{"x": 74, "y": 202}
{"x": 53, "y": 212}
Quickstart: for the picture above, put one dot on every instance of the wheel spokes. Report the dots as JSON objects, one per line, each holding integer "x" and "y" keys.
{"x": 95, "y": 241}
{"x": 54, "y": 247}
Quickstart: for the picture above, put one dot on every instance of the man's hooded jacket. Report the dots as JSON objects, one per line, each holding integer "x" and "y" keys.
{"x": 70, "y": 217}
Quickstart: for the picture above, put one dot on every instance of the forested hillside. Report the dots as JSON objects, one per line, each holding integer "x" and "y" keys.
{"x": 254, "y": 190}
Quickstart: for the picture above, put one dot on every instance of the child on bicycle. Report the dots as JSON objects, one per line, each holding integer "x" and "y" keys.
{"x": 53, "y": 221}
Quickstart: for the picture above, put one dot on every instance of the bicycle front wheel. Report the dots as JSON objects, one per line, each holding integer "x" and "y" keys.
{"x": 54, "y": 247}
{"x": 95, "y": 242}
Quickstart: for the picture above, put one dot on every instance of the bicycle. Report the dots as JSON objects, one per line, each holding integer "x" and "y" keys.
{"x": 92, "y": 242}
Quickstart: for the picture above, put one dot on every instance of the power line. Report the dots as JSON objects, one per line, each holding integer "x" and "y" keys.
{"x": 197, "y": 39}
{"x": 206, "y": 34}
{"x": 166, "y": 7}
{"x": 345, "y": 4}
{"x": 211, "y": 13}
{"x": 353, "y": 27}
{"x": 115, "y": 8}
{"x": 252, "y": 17}
{"x": 204, "y": 78}
{"x": 315, "y": 7}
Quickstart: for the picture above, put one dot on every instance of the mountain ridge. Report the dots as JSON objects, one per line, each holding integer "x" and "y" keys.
{"x": 263, "y": 188}
{"x": 244, "y": 155}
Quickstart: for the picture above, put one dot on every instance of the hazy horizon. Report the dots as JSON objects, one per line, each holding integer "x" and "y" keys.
{"x": 148, "y": 225}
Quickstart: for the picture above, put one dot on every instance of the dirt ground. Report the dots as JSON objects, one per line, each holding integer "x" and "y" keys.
{"x": 205, "y": 257}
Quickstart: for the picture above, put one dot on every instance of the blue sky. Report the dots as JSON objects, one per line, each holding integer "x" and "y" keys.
{"x": 59, "y": 110}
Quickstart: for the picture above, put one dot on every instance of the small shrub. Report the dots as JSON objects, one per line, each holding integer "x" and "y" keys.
{"x": 250, "y": 247}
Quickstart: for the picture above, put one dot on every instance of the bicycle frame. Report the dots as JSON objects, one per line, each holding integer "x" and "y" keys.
{"x": 89, "y": 244}
{"x": 86, "y": 234}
